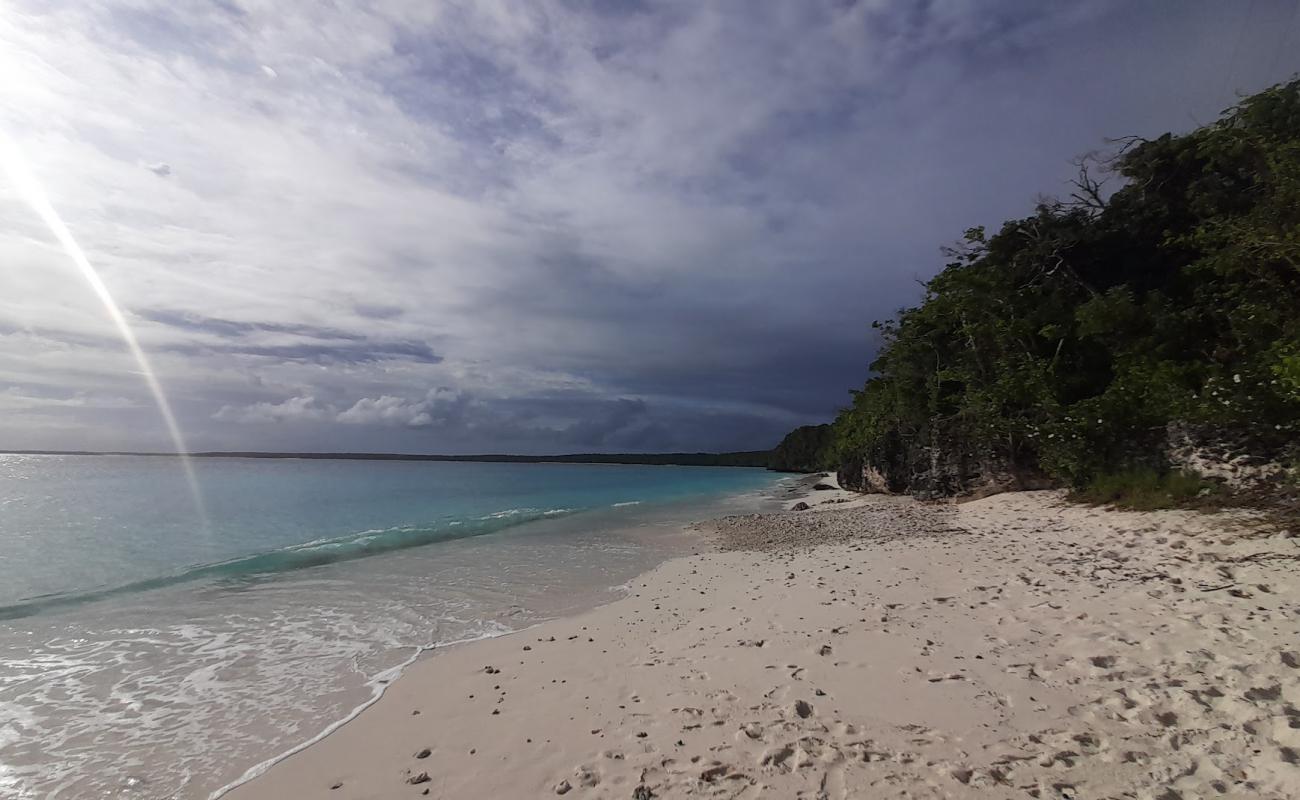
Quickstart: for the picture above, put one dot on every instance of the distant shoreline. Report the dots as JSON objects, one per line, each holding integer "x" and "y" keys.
{"x": 749, "y": 458}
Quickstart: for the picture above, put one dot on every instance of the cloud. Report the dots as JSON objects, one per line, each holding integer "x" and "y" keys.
{"x": 623, "y": 420}
{"x": 294, "y": 409}
{"x": 436, "y": 407}
{"x": 386, "y": 410}
{"x": 595, "y": 225}
{"x": 14, "y": 399}
{"x": 231, "y": 328}
{"x": 298, "y": 342}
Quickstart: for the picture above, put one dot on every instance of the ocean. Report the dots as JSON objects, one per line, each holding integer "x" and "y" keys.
{"x": 149, "y": 652}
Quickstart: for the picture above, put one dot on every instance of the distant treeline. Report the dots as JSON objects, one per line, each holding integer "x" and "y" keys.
{"x": 755, "y": 458}
{"x": 1076, "y": 342}
{"x": 804, "y": 449}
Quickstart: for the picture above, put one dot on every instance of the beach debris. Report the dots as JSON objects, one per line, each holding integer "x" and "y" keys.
{"x": 800, "y": 506}
{"x": 416, "y": 780}
{"x": 337, "y": 785}
{"x": 822, "y": 487}
{"x": 562, "y": 787}
{"x": 587, "y": 778}
{"x": 824, "y": 650}
{"x": 425, "y": 753}
{"x": 803, "y": 709}
{"x": 491, "y": 670}
{"x": 642, "y": 792}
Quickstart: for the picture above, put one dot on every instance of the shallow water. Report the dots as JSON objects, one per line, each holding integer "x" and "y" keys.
{"x": 145, "y": 653}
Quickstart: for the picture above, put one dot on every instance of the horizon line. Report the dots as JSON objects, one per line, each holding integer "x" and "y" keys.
{"x": 350, "y": 455}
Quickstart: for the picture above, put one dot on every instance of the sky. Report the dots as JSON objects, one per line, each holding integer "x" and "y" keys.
{"x": 542, "y": 226}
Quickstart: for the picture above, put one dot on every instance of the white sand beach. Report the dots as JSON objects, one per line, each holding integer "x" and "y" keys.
{"x": 872, "y": 647}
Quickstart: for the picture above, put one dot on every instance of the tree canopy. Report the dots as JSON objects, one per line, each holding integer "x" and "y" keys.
{"x": 1066, "y": 344}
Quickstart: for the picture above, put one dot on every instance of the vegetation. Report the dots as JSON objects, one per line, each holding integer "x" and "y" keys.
{"x": 1065, "y": 345}
{"x": 1148, "y": 490}
{"x": 806, "y": 449}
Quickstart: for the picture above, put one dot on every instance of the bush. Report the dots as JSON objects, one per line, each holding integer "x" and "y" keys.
{"x": 1147, "y": 490}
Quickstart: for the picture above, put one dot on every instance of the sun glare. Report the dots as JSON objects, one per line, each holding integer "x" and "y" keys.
{"x": 29, "y": 188}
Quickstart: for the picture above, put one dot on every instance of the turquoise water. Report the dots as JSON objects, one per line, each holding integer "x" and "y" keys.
{"x": 146, "y": 652}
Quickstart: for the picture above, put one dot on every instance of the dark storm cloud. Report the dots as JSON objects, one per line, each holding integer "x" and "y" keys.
{"x": 360, "y": 352}
{"x": 325, "y": 345}
{"x": 378, "y": 311}
{"x": 230, "y": 328}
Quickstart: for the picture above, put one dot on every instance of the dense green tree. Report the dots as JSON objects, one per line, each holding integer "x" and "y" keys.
{"x": 1067, "y": 343}
{"x": 805, "y": 449}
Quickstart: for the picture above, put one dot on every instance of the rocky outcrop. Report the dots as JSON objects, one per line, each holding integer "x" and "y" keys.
{"x": 1238, "y": 464}
{"x": 936, "y": 467}
{"x": 933, "y": 466}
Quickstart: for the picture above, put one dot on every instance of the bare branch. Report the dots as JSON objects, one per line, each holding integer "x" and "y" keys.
{"x": 1087, "y": 194}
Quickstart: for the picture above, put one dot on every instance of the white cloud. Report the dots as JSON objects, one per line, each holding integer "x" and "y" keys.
{"x": 386, "y": 410}
{"x": 437, "y": 406}
{"x": 294, "y": 409}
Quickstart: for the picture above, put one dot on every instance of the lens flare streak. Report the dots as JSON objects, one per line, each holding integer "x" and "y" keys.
{"x": 31, "y": 191}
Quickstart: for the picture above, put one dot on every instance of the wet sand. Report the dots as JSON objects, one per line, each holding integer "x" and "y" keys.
{"x": 1014, "y": 646}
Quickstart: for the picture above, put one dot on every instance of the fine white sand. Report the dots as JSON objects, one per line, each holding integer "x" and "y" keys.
{"x": 1009, "y": 647}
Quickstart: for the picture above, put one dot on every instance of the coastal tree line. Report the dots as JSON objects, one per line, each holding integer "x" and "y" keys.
{"x": 1074, "y": 344}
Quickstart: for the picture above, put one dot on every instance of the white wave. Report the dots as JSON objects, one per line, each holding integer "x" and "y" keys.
{"x": 378, "y": 684}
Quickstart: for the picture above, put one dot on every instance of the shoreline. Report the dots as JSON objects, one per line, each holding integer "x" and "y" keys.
{"x": 771, "y": 661}
{"x": 381, "y": 682}
{"x": 784, "y": 492}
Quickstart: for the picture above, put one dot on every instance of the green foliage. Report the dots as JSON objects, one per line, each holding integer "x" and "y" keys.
{"x": 804, "y": 449}
{"x": 1147, "y": 490}
{"x": 1064, "y": 343}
